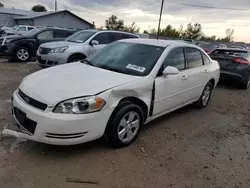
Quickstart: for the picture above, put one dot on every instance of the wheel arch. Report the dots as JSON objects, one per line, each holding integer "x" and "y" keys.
{"x": 134, "y": 100}
{"x": 76, "y": 53}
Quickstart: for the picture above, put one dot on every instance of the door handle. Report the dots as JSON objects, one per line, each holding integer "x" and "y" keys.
{"x": 205, "y": 71}
{"x": 184, "y": 77}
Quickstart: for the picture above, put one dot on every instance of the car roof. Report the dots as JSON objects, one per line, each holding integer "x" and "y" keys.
{"x": 112, "y": 31}
{"x": 155, "y": 42}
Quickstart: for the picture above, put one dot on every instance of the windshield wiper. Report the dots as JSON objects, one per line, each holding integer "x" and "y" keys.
{"x": 112, "y": 69}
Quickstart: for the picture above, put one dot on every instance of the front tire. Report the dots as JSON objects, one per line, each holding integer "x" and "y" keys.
{"x": 22, "y": 54}
{"x": 75, "y": 58}
{"x": 124, "y": 125}
{"x": 205, "y": 96}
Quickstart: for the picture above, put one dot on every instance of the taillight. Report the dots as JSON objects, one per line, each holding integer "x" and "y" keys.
{"x": 241, "y": 60}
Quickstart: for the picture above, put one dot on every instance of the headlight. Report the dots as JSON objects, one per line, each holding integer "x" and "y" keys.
{"x": 59, "y": 50}
{"x": 80, "y": 105}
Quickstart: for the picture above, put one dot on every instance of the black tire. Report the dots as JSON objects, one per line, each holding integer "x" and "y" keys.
{"x": 111, "y": 133}
{"x": 75, "y": 58}
{"x": 200, "y": 103}
{"x": 24, "y": 51}
{"x": 245, "y": 85}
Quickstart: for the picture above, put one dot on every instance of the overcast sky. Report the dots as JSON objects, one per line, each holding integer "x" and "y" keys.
{"x": 146, "y": 13}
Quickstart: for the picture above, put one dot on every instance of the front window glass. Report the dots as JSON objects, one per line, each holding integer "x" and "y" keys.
{"x": 46, "y": 35}
{"x": 128, "y": 58}
{"x": 80, "y": 36}
{"x": 176, "y": 59}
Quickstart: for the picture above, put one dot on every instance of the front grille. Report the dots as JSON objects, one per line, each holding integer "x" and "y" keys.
{"x": 41, "y": 61}
{"x": 31, "y": 101}
{"x": 44, "y": 50}
{"x": 25, "y": 122}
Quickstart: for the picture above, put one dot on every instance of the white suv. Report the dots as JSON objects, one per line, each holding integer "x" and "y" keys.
{"x": 77, "y": 46}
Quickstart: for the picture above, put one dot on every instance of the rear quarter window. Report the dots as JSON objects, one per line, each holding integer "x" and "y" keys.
{"x": 194, "y": 57}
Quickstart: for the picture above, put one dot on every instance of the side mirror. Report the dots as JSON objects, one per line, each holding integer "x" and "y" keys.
{"x": 169, "y": 70}
{"x": 94, "y": 42}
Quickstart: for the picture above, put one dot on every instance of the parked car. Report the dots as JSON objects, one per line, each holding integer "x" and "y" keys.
{"x": 113, "y": 92}
{"x": 18, "y": 29}
{"x": 234, "y": 64}
{"x": 207, "y": 47}
{"x": 78, "y": 46}
{"x": 23, "y": 47}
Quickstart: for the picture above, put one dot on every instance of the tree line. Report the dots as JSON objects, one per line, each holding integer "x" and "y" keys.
{"x": 192, "y": 31}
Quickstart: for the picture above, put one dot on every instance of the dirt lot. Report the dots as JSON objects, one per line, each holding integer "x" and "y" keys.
{"x": 189, "y": 148}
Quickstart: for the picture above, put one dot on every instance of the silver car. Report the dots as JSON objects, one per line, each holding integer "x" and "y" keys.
{"x": 77, "y": 46}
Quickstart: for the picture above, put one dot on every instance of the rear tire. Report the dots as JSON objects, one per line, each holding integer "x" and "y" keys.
{"x": 205, "y": 96}
{"x": 124, "y": 125}
{"x": 245, "y": 85}
{"x": 75, "y": 58}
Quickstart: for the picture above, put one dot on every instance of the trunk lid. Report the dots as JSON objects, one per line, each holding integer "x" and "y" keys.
{"x": 226, "y": 62}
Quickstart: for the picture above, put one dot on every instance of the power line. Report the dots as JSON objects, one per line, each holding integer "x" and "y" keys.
{"x": 205, "y": 6}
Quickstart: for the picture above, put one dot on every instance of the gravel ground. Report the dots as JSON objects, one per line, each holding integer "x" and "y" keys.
{"x": 190, "y": 148}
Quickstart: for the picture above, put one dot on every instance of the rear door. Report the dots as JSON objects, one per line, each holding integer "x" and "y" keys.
{"x": 103, "y": 39}
{"x": 197, "y": 73}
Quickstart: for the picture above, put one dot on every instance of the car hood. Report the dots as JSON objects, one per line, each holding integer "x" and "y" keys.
{"x": 59, "y": 44}
{"x": 11, "y": 37}
{"x": 59, "y": 83}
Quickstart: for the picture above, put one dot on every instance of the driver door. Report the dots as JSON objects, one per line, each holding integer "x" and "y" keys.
{"x": 102, "y": 39}
{"x": 170, "y": 90}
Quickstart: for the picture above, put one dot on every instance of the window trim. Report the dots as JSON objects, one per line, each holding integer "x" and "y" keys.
{"x": 187, "y": 63}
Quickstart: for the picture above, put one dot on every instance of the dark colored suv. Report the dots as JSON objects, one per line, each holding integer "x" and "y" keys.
{"x": 234, "y": 65}
{"x": 23, "y": 47}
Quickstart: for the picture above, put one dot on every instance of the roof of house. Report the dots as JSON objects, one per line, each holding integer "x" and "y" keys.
{"x": 13, "y": 11}
{"x": 33, "y": 15}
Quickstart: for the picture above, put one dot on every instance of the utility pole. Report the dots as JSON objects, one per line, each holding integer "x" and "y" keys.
{"x": 159, "y": 25}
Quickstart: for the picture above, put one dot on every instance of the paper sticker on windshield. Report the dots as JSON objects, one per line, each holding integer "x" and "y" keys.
{"x": 136, "y": 68}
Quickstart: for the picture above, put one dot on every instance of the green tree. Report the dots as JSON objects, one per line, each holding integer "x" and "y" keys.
{"x": 1, "y": 4}
{"x": 193, "y": 31}
{"x": 169, "y": 31}
{"x": 39, "y": 8}
{"x": 133, "y": 28}
{"x": 112, "y": 23}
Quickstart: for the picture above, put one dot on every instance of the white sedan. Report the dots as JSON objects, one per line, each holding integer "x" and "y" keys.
{"x": 112, "y": 93}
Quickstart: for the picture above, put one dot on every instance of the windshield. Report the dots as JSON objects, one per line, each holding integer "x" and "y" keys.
{"x": 80, "y": 36}
{"x": 15, "y": 27}
{"x": 31, "y": 32}
{"x": 128, "y": 58}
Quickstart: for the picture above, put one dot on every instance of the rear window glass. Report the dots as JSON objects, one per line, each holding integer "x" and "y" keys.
{"x": 225, "y": 52}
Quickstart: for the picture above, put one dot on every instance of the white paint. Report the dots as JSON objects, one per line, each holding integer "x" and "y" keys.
{"x": 54, "y": 85}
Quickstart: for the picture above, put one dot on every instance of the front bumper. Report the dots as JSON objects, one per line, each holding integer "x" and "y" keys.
{"x": 60, "y": 129}
{"x": 51, "y": 59}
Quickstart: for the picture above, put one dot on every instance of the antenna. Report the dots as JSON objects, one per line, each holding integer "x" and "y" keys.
{"x": 55, "y": 5}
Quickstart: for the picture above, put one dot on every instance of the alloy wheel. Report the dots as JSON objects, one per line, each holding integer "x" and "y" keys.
{"x": 23, "y": 54}
{"x": 206, "y": 95}
{"x": 128, "y": 127}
